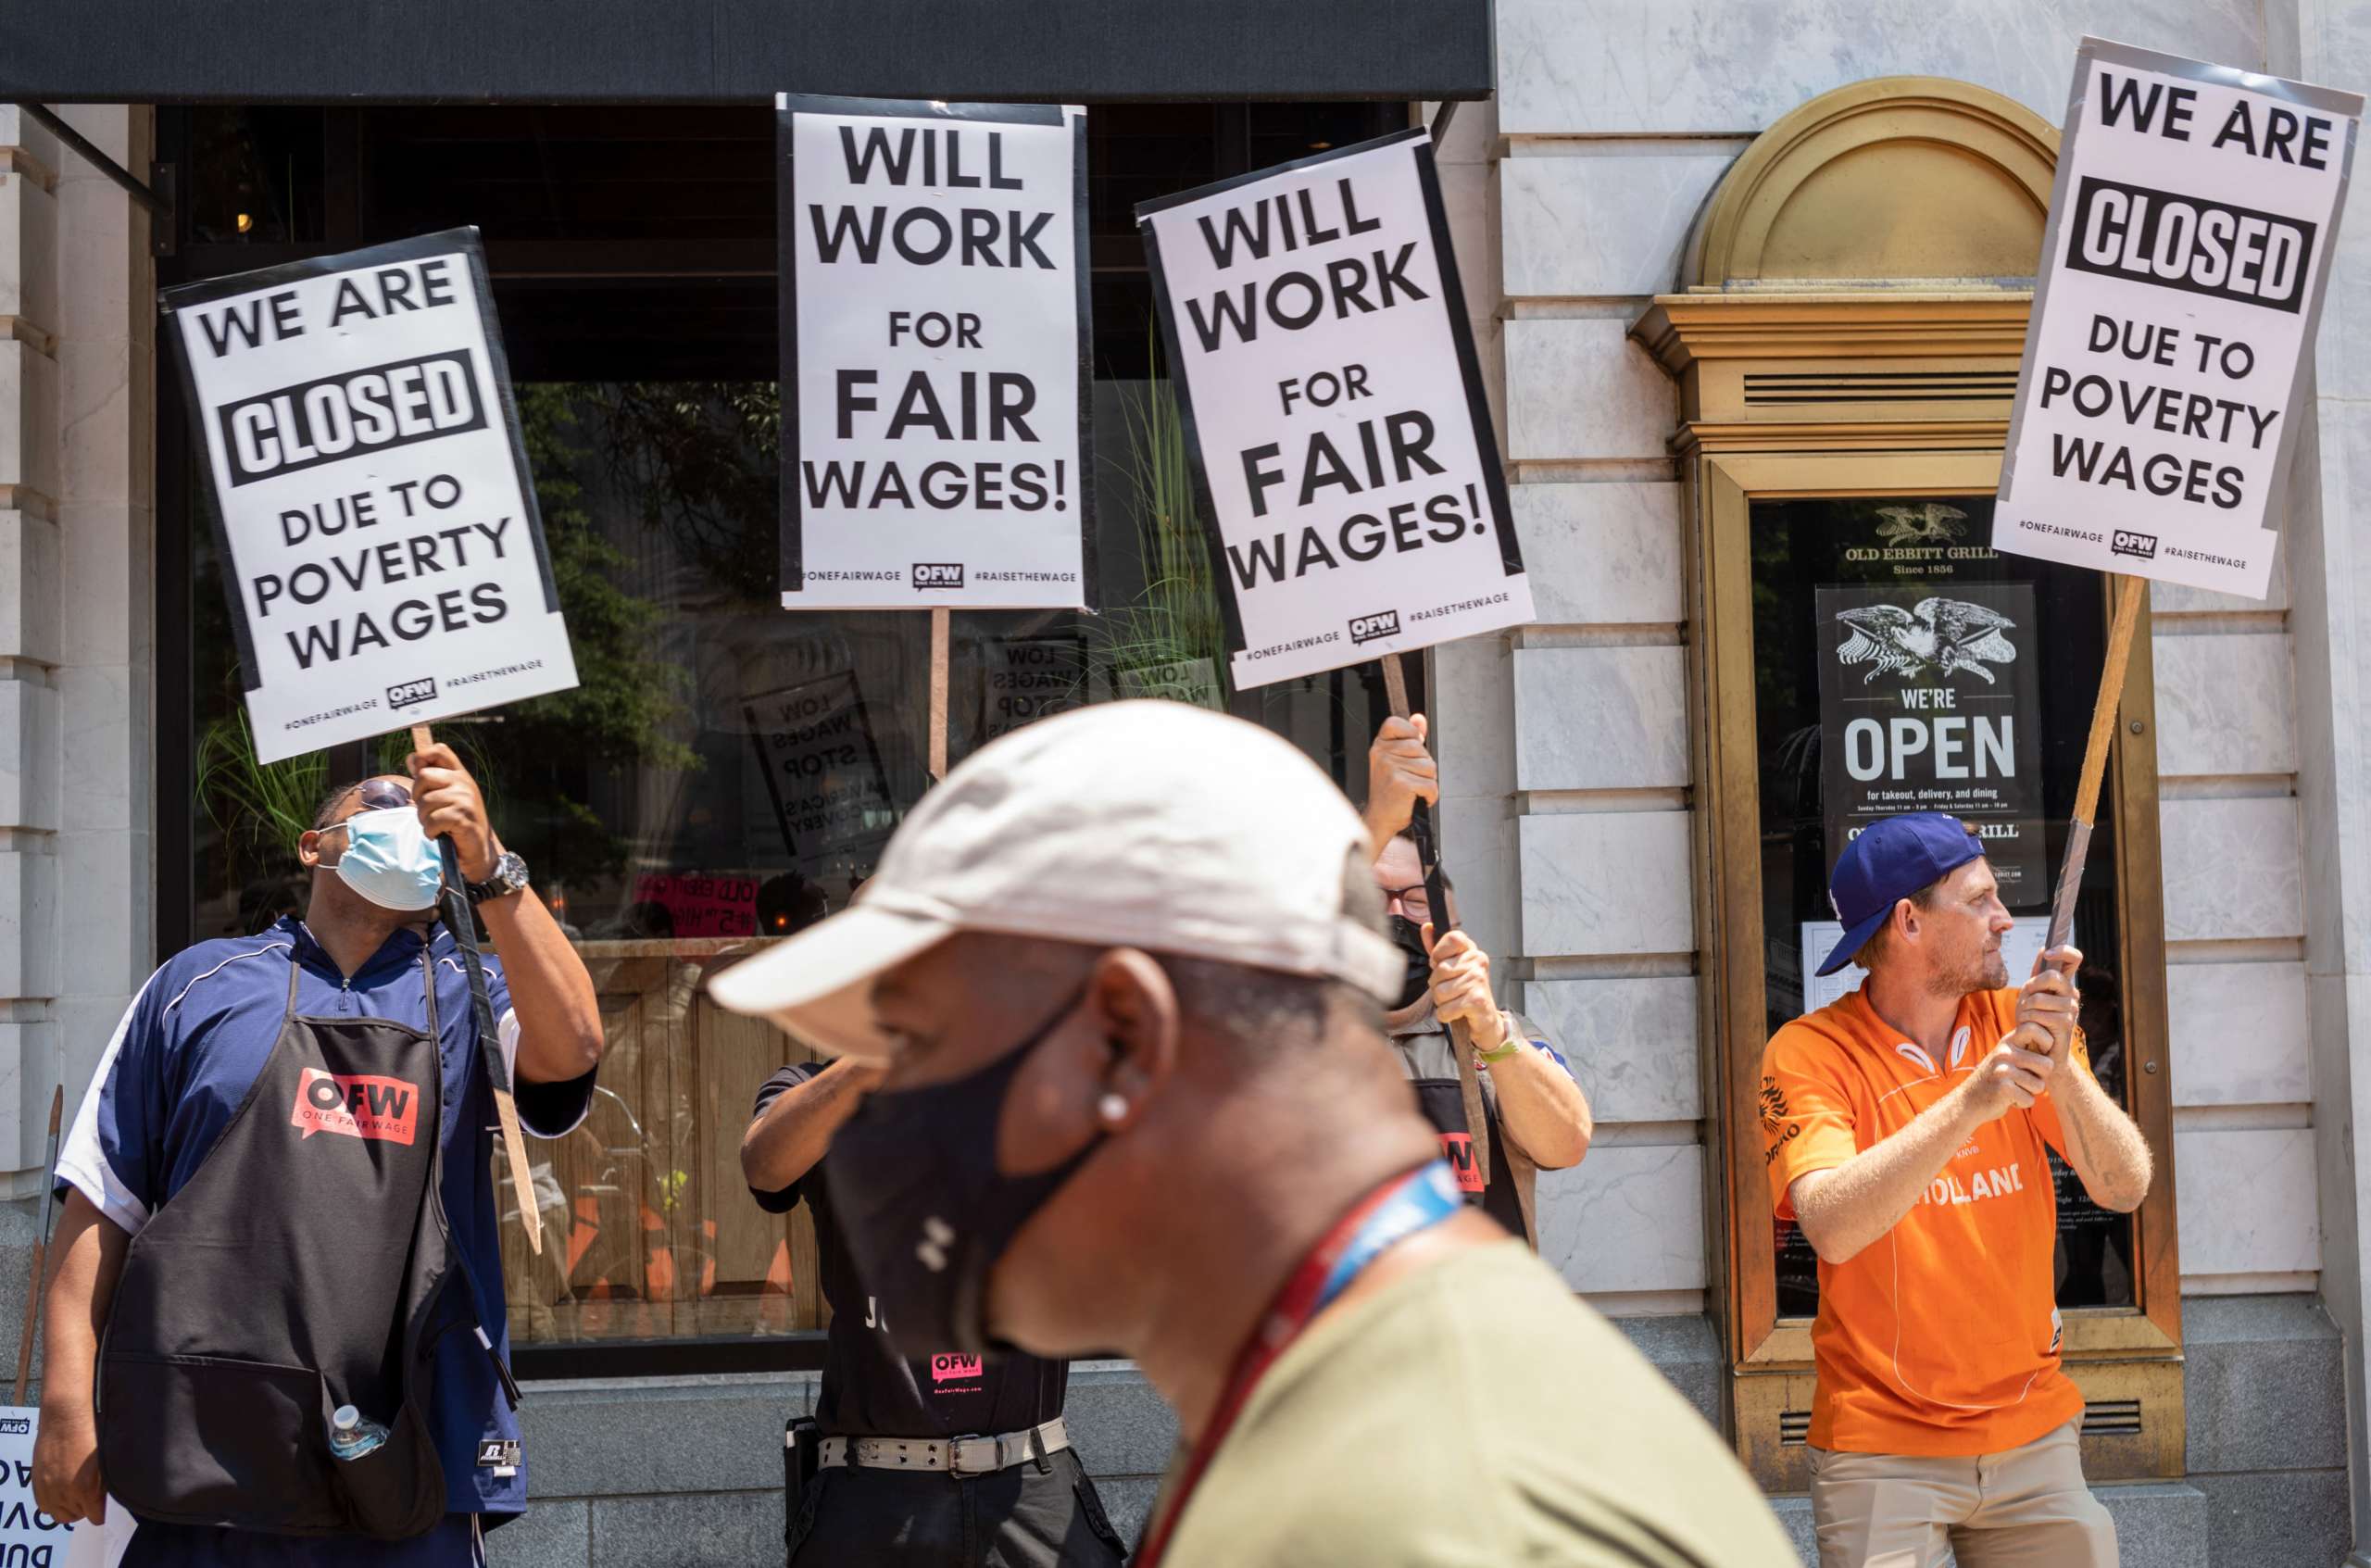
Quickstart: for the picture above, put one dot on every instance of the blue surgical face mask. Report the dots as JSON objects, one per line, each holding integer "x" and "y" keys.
{"x": 390, "y": 860}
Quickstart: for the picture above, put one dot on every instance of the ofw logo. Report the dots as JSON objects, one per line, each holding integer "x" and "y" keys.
{"x": 938, "y": 574}
{"x": 2128, "y": 543}
{"x": 1458, "y": 1149}
{"x": 359, "y": 1105}
{"x": 950, "y": 1368}
{"x": 1367, "y": 628}
{"x": 410, "y": 694}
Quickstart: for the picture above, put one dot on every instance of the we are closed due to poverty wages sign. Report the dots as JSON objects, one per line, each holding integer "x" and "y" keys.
{"x": 384, "y": 559}
{"x": 1328, "y": 377}
{"x": 936, "y": 344}
{"x": 2191, "y": 231}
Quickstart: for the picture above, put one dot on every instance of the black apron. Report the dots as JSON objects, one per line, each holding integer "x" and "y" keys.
{"x": 1445, "y": 1106}
{"x": 304, "y": 1265}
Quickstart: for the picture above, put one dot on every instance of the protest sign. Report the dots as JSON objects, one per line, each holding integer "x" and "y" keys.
{"x": 30, "y": 1538}
{"x": 1026, "y": 679}
{"x": 823, "y": 771}
{"x": 382, "y": 551}
{"x": 1174, "y": 680}
{"x": 700, "y": 905}
{"x": 1327, "y": 379}
{"x": 935, "y": 356}
{"x": 2191, "y": 231}
{"x": 1931, "y": 702}
{"x": 2192, "y": 223}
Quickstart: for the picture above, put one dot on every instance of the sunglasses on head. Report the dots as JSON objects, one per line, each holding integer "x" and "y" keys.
{"x": 377, "y": 795}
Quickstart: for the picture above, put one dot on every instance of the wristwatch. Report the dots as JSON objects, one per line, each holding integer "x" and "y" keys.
{"x": 509, "y": 876}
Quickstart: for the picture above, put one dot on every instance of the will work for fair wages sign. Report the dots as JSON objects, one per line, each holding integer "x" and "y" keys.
{"x": 384, "y": 559}
{"x": 1327, "y": 374}
{"x": 935, "y": 352}
{"x": 2191, "y": 231}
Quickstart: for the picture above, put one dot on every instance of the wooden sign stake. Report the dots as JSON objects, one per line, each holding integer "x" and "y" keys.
{"x": 506, "y": 1104}
{"x": 41, "y": 1253}
{"x": 938, "y": 637}
{"x": 1420, "y": 827}
{"x": 2129, "y": 591}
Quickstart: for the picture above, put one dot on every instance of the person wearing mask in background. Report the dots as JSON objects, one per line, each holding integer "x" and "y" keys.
{"x": 928, "y": 1459}
{"x": 1909, "y": 1126}
{"x": 1536, "y": 1115}
{"x": 253, "y": 1221}
{"x": 1116, "y": 989}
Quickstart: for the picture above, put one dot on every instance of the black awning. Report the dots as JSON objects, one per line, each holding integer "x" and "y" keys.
{"x": 741, "y": 51}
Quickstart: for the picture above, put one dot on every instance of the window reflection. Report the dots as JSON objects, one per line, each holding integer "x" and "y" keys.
{"x": 257, "y": 176}
{"x": 728, "y": 773}
{"x": 1856, "y": 601}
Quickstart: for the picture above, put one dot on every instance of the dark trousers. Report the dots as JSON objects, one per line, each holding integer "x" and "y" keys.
{"x": 452, "y": 1543}
{"x": 1016, "y": 1518}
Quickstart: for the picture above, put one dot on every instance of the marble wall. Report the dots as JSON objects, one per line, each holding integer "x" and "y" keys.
{"x": 1615, "y": 122}
{"x": 1587, "y": 744}
{"x": 77, "y": 742}
{"x": 2330, "y": 579}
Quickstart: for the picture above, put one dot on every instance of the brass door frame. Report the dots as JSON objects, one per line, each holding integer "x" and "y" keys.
{"x": 1890, "y": 394}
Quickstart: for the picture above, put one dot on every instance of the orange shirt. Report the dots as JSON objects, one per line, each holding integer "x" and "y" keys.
{"x": 1941, "y": 1337}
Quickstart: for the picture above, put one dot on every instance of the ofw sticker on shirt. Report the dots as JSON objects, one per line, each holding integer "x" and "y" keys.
{"x": 359, "y": 1105}
{"x": 964, "y": 1372}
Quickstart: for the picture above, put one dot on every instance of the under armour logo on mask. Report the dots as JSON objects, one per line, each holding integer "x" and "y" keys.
{"x": 937, "y": 1236}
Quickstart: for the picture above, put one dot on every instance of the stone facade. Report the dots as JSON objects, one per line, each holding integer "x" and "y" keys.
{"x": 77, "y": 475}
{"x": 1615, "y": 122}
{"x": 76, "y": 605}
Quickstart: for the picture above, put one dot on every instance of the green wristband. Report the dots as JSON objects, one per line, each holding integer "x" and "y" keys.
{"x": 1514, "y": 1043}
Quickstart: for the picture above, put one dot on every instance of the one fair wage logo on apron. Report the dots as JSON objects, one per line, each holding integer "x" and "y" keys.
{"x": 360, "y": 1105}
{"x": 1458, "y": 1149}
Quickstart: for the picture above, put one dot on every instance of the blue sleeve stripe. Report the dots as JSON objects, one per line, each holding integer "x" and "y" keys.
{"x": 235, "y": 957}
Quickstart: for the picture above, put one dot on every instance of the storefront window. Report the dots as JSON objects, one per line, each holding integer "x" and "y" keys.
{"x": 1901, "y": 665}
{"x": 728, "y": 770}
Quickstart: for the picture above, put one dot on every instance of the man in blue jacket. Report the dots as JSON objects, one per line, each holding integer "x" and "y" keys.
{"x": 211, "y": 1031}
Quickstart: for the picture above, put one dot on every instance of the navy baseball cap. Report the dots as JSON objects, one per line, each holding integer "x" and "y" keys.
{"x": 1892, "y": 858}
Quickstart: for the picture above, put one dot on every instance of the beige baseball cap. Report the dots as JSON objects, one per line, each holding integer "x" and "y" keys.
{"x": 1157, "y": 825}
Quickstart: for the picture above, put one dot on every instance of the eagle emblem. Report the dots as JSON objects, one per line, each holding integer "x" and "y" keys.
{"x": 1950, "y": 636}
{"x": 1929, "y": 523}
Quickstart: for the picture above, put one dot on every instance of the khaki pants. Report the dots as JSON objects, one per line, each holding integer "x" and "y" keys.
{"x": 2027, "y": 1507}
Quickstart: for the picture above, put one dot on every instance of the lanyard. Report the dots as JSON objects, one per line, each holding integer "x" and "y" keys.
{"x": 1385, "y": 1217}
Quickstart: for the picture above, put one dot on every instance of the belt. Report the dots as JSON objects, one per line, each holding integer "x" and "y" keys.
{"x": 959, "y": 1456}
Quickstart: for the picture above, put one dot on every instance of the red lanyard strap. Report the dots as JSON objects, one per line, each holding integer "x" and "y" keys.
{"x": 1385, "y": 1217}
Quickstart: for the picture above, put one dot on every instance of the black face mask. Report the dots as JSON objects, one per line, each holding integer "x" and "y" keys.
{"x": 1409, "y": 937}
{"x": 914, "y": 1182}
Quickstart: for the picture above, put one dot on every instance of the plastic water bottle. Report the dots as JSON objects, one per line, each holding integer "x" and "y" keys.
{"x": 351, "y": 1436}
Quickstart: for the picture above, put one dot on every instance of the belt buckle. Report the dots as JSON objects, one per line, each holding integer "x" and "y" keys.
{"x": 955, "y": 1464}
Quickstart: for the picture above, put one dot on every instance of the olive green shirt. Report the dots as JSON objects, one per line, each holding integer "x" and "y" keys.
{"x": 1475, "y": 1415}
